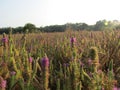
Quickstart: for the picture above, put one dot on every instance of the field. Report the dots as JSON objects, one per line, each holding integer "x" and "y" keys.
{"x": 83, "y": 60}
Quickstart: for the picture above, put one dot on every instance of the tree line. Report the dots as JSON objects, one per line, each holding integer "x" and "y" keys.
{"x": 99, "y": 26}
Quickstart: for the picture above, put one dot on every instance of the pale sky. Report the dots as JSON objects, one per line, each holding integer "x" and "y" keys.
{"x": 16, "y": 13}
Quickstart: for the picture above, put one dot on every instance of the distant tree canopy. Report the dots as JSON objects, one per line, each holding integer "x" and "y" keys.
{"x": 29, "y": 28}
{"x": 53, "y": 28}
{"x": 77, "y": 26}
{"x": 100, "y": 25}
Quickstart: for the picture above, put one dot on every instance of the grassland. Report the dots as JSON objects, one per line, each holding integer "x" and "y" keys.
{"x": 84, "y": 60}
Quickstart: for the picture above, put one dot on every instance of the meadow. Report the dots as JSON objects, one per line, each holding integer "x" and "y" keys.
{"x": 80, "y": 60}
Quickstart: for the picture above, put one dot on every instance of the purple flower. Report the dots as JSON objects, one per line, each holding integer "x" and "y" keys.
{"x": 5, "y": 40}
{"x": 73, "y": 40}
{"x": 13, "y": 73}
{"x": 45, "y": 61}
{"x": 30, "y": 59}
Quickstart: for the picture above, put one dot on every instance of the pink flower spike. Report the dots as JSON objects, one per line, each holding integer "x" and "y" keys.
{"x": 81, "y": 64}
{"x": 45, "y": 61}
{"x": 73, "y": 40}
{"x": 30, "y": 59}
{"x": 13, "y": 73}
{"x": 89, "y": 61}
{"x": 3, "y": 83}
{"x": 115, "y": 88}
{"x": 5, "y": 40}
{"x": 99, "y": 71}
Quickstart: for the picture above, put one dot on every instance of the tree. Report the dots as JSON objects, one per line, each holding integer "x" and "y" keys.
{"x": 100, "y": 25}
{"x": 29, "y": 28}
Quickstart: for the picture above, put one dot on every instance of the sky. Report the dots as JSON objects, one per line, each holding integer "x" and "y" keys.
{"x": 14, "y": 13}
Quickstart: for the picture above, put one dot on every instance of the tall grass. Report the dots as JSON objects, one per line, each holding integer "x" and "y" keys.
{"x": 60, "y": 61}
